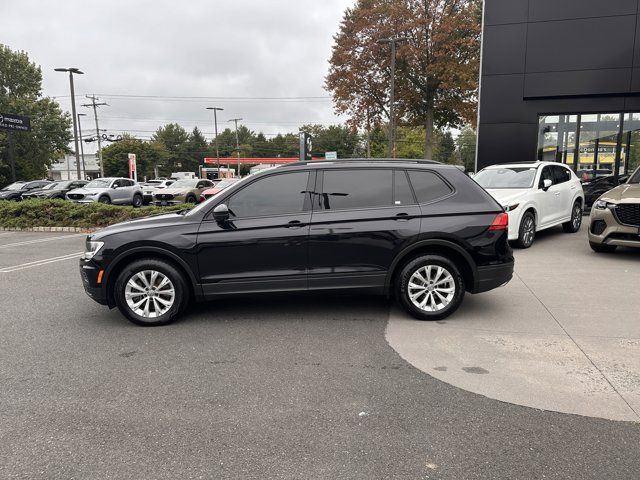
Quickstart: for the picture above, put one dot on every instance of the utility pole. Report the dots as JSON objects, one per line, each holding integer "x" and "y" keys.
{"x": 71, "y": 71}
{"x": 236, "y": 120}
{"x": 215, "y": 126}
{"x": 84, "y": 166}
{"x": 95, "y": 106}
{"x": 393, "y": 41}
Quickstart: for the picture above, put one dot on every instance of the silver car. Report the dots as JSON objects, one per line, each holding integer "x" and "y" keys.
{"x": 117, "y": 191}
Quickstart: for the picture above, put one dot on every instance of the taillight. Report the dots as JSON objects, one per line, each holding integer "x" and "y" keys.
{"x": 501, "y": 222}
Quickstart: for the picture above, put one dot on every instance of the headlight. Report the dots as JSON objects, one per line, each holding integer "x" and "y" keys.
{"x": 512, "y": 207}
{"x": 602, "y": 205}
{"x": 91, "y": 248}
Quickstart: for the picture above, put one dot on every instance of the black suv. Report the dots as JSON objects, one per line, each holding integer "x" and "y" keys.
{"x": 420, "y": 231}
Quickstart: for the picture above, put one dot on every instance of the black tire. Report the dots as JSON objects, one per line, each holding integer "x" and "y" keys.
{"x": 416, "y": 265}
{"x": 602, "y": 248}
{"x": 137, "y": 201}
{"x": 191, "y": 199}
{"x": 573, "y": 225}
{"x": 105, "y": 200}
{"x": 178, "y": 282}
{"x": 526, "y": 231}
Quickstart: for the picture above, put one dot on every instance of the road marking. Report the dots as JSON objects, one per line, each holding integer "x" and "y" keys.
{"x": 41, "y": 240}
{"x": 39, "y": 263}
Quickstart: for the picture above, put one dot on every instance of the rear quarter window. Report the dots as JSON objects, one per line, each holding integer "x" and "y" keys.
{"x": 428, "y": 186}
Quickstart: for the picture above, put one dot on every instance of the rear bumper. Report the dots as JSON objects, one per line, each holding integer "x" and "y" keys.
{"x": 493, "y": 276}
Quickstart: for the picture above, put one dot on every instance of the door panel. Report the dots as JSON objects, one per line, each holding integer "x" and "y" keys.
{"x": 264, "y": 245}
{"x": 547, "y": 200}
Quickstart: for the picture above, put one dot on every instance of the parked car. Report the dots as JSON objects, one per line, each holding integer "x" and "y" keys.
{"x": 17, "y": 189}
{"x": 587, "y": 176}
{"x": 537, "y": 196}
{"x": 420, "y": 231}
{"x": 151, "y": 186}
{"x": 118, "y": 191}
{"x": 217, "y": 188}
{"x": 186, "y": 190}
{"x": 615, "y": 217}
{"x": 55, "y": 190}
{"x": 594, "y": 189}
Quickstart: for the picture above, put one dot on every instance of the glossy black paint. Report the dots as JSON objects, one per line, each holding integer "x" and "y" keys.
{"x": 26, "y": 188}
{"x": 314, "y": 248}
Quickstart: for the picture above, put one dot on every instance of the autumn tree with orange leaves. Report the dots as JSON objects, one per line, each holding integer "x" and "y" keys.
{"x": 436, "y": 70}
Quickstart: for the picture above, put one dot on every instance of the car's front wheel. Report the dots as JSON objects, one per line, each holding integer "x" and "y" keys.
{"x": 104, "y": 199}
{"x": 527, "y": 231}
{"x": 150, "y": 292}
{"x": 430, "y": 287}
{"x": 191, "y": 199}
{"x": 573, "y": 225}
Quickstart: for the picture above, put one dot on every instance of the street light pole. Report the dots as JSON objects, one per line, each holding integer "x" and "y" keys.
{"x": 236, "y": 120}
{"x": 71, "y": 71}
{"x": 393, "y": 41}
{"x": 84, "y": 166}
{"x": 215, "y": 126}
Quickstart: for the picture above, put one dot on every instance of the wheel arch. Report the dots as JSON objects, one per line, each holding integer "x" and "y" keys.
{"x": 122, "y": 260}
{"x": 446, "y": 248}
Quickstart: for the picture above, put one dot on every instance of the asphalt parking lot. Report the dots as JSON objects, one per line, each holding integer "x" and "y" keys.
{"x": 281, "y": 387}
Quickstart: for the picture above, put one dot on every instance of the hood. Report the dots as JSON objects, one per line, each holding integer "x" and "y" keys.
{"x": 164, "y": 219}
{"x": 508, "y": 196}
{"x": 9, "y": 193}
{"x": 626, "y": 193}
{"x": 175, "y": 191}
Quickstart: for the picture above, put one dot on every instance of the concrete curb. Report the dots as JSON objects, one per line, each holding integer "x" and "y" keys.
{"x": 48, "y": 229}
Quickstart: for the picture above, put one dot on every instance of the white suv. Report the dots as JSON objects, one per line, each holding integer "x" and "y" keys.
{"x": 536, "y": 196}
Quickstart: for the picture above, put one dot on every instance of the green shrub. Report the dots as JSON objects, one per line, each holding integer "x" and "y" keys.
{"x": 62, "y": 213}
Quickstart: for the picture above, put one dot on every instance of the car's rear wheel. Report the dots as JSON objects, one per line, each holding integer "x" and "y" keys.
{"x": 150, "y": 292}
{"x": 137, "y": 201}
{"x": 104, "y": 199}
{"x": 430, "y": 287}
{"x": 602, "y": 248}
{"x": 573, "y": 225}
{"x": 527, "y": 231}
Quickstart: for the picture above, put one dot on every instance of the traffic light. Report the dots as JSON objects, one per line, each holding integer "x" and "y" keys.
{"x": 306, "y": 146}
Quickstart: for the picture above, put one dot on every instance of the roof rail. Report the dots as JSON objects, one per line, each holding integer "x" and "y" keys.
{"x": 363, "y": 160}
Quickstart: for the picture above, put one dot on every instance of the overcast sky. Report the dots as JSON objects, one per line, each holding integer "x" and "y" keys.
{"x": 191, "y": 48}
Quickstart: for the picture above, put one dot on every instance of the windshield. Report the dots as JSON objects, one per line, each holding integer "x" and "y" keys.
{"x": 63, "y": 185}
{"x": 50, "y": 186}
{"x": 14, "y": 186}
{"x": 99, "y": 183}
{"x": 506, "y": 177}
{"x": 153, "y": 183}
{"x": 185, "y": 183}
{"x": 224, "y": 183}
{"x": 635, "y": 178}
{"x": 208, "y": 201}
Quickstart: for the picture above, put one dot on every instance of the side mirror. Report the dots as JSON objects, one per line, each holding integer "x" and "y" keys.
{"x": 546, "y": 184}
{"x": 221, "y": 213}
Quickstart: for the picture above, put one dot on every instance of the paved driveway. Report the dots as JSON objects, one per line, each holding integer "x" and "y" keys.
{"x": 283, "y": 387}
{"x": 564, "y": 335}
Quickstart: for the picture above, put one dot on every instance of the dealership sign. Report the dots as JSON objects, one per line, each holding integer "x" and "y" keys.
{"x": 18, "y": 123}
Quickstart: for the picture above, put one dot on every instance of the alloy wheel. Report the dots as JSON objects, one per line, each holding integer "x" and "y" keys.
{"x": 431, "y": 288}
{"x": 576, "y": 220}
{"x": 150, "y": 294}
{"x": 528, "y": 231}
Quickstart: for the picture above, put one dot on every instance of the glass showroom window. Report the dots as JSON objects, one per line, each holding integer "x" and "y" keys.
{"x": 557, "y": 138}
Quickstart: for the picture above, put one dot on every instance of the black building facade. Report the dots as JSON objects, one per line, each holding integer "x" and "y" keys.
{"x": 560, "y": 81}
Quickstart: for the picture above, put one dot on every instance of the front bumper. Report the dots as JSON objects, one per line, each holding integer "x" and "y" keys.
{"x": 493, "y": 276}
{"x": 613, "y": 233}
{"x": 89, "y": 272}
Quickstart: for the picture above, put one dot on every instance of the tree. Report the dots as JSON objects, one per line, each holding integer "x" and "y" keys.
{"x": 195, "y": 150}
{"x": 334, "y": 138}
{"x": 437, "y": 67}
{"x": 445, "y": 149}
{"x": 173, "y": 138}
{"x": 21, "y": 93}
{"x": 149, "y": 155}
{"x": 466, "y": 143}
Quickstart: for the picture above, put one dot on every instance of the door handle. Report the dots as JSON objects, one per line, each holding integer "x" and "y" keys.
{"x": 402, "y": 217}
{"x": 295, "y": 224}
{"x": 557, "y": 194}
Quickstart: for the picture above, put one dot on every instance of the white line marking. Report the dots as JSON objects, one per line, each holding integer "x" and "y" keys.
{"x": 39, "y": 263}
{"x": 41, "y": 240}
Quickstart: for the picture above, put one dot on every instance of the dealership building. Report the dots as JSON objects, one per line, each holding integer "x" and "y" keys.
{"x": 560, "y": 81}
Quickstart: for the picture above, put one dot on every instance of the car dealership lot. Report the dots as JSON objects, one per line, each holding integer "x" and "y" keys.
{"x": 292, "y": 387}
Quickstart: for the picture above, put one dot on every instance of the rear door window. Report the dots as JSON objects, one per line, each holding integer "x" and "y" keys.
{"x": 357, "y": 188}
{"x": 428, "y": 186}
{"x": 402, "y": 194}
